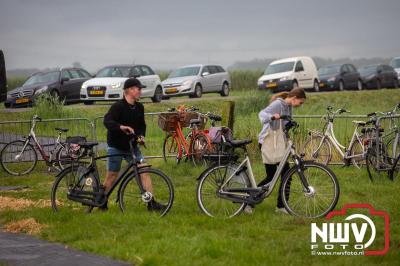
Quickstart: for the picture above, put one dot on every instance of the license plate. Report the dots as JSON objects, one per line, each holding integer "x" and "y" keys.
{"x": 271, "y": 85}
{"x": 96, "y": 92}
{"x": 171, "y": 90}
{"x": 22, "y": 100}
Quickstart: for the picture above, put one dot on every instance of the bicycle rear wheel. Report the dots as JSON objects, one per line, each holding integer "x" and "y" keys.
{"x": 395, "y": 172}
{"x": 208, "y": 199}
{"x": 159, "y": 194}
{"x": 72, "y": 179}
{"x": 200, "y": 146}
{"x": 321, "y": 197}
{"x": 318, "y": 150}
{"x": 378, "y": 167}
{"x": 16, "y": 160}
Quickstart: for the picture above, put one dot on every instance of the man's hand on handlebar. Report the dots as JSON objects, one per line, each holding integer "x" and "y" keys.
{"x": 127, "y": 130}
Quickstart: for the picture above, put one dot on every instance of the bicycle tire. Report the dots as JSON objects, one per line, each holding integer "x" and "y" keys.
{"x": 163, "y": 192}
{"x": 310, "y": 146}
{"x": 205, "y": 207}
{"x": 374, "y": 170}
{"x": 292, "y": 184}
{"x": 171, "y": 148}
{"x": 200, "y": 146}
{"x": 29, "y": 154}
{"x": 71, "y": 177}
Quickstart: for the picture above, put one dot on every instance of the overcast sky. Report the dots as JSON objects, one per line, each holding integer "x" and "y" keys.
{"x": 169, "y": 33}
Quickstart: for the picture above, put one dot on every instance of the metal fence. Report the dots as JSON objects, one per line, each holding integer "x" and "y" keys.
{"x": 245, "y": 127}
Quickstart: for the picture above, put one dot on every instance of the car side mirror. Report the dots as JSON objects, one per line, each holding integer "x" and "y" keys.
{"x": 64, "y": 79}
{"x": 205, "y": 74}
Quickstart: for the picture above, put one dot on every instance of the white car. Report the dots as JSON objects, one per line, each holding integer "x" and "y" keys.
{"x": 109, "y": 82}
{"x": 288, "y": 73}
{"x": 395, "y": 63}
{"x": 194, "y": 80}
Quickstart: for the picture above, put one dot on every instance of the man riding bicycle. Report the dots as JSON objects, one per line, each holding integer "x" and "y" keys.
{"x": 124, "y": 118}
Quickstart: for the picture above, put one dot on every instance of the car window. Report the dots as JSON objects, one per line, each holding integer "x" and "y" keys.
{"x": 74, "y": 74}
{"x": 299, "y": 66}
{"x": 205, "y": 69}
{"x": 135, "y": 71}
{"x": 66, "y": 74}
{"x": 344, "y": 69}
{"x": 220, "y": 69}
{"x": 213, "y": 69}
{"x": 146, "y": 71}
{"x": 351, "y": 68}
{"x": 84, "y": 73}
{"x": 114, "y": 72}
{"x": 387, "y": 68}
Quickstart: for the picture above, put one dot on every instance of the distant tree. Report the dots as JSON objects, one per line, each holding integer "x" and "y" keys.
{"x": 77, "y": 64}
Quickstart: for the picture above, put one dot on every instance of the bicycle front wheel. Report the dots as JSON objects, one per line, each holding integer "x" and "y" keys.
{"x": 378, "y": 165}
{"x": 210, "y": 184}
{"x": 200, "y": 146}
{"x": 157, "y": 199}
{"x": 317, "y": 149}
{"x": 171, "y": 149}
{"x": 18, "y": 158}
{"x": 318, "y": 199}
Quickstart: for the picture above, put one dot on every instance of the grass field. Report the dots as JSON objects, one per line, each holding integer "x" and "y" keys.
{"x": 186, "y": 236}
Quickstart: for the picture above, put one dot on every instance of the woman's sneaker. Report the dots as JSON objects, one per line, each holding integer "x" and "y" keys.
{"x": 281, "y": 210}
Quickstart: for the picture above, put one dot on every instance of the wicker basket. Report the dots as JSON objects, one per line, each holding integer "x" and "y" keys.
{"x": 187, "y": 116}
{"x": 166, "y": 121}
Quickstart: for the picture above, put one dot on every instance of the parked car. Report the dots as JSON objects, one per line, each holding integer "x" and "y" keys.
{"x": 109, "y": 82}
{"x": 339, "y": 76}
{"x": 379, "y": 76}
{"x": 395, "y": 63}
{"x": 288, "y": 73}
{"x": 194, "y": 80}
{"x": 65, "y": 83}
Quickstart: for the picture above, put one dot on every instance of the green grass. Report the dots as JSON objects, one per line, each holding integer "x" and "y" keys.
{"x": 186, "y": 236}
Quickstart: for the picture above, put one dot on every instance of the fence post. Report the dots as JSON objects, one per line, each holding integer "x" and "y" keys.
{"x": 228, "y": 114}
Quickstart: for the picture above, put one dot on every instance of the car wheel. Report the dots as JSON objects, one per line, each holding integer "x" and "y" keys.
{"x": 88, "y": 102}
{"x": 198, "y": 91}
{"x": 225, "y": 89}
{"x": 295, "y": 84}
{"x": 359, "y": 85}
{"x": 157, "y": 95}
{"x": 316, "y": 85}
{"x": 341, "y": 85}
{"x": 378, "y": 84}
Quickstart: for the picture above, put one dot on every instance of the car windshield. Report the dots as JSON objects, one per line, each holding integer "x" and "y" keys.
{"x": 49, "y": 77}
{"x": 367, "y": 70}
{"x": 114, "y": 72}
{"x": 395, "y": 63}
{"x": 329, "y": 70}
{"x": 184, "y": 72}
{"x": 278, "y": 68}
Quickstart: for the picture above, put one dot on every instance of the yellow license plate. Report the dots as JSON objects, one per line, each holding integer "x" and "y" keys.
{"x": 171, "y": 90}
{"x": 22, "y": 100}
{"x": 271, "y": 85}
{"x": 96, "y": 92}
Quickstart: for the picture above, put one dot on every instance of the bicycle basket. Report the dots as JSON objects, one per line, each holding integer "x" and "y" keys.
{"x": 185, "y": 118}
{"x": 166, "y": 121}
{"x": 75, "y": 139}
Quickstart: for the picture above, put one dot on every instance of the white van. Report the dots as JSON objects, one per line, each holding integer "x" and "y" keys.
{"x": 288, "y": 73}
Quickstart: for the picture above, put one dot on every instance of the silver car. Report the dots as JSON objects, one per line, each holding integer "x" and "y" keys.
{"x": 194, "y": 80}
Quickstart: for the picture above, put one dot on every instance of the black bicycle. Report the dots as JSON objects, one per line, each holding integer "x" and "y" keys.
{"x": 141, "y": 187}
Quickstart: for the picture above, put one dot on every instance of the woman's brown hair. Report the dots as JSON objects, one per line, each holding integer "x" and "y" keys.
{"x": 299, "y": 93}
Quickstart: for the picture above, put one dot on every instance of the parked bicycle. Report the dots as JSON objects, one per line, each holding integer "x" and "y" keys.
{"x": 192, "y": 146}
{"x": 19, "y": 157}
{"x": 225, "y": 188}
{"x": 78, "y": 187}
{"x": 318, "y": 146}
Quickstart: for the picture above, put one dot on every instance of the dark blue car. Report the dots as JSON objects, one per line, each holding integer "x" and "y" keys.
{"x": 379, "y": 76}
{"x": 339, "y": 77}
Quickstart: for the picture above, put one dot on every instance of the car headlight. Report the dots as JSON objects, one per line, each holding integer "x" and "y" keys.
{"x": 84, "y": 86}
{"x": 260, "y": 82}
{"x": 41, "y": 90}
{"x": 284, "y": 78}
{"x": 187, "y": 83}
{"x": 332, "y": 79}
{"x": 116, "y": 85}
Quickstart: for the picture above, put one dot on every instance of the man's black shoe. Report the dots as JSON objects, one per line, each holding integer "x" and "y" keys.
{"x": 155, "y": 206}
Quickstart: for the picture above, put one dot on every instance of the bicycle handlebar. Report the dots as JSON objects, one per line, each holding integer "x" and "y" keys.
{"x": 37, "y": 118}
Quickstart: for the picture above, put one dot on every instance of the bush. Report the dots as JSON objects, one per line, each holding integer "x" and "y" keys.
{"x": 48, "y": 106}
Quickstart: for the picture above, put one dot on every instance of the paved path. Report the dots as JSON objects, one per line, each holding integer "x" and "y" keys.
{"x": 24, "y": 250}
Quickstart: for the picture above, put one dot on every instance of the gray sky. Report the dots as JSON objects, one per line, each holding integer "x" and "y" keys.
{"x": 166, "y": 34}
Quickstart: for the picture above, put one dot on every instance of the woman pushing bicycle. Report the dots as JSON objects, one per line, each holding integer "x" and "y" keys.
{"x": 271, "y": 139}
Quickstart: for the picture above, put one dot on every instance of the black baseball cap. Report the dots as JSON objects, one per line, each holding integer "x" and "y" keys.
{"x": 133, "y": 82}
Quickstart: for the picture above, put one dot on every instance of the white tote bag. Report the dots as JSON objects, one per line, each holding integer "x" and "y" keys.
{"x": 274, "y": 146}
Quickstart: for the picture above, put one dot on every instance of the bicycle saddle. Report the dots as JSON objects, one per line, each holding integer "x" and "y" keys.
{"x": 239, "y": 143}
{"x": 88, "y": 144}
{"x": 361, "y": 123}
{"x": 195, "y": 121}
{"x": 61, "y": 129}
